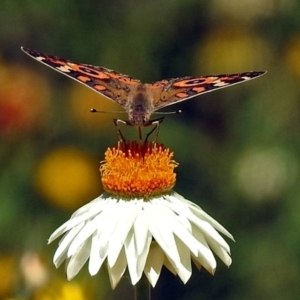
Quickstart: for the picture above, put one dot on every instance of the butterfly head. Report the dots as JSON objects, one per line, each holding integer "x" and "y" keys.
{"x": 139, "y": 107}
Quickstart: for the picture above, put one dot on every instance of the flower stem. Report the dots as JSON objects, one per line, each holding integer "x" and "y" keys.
{"x": 142, "y": 289}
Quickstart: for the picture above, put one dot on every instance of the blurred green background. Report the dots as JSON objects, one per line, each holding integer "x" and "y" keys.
{"x": 238, "y": 148}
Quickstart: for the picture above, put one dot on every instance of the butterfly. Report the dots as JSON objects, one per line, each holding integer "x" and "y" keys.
{"x": 140, "y": 100}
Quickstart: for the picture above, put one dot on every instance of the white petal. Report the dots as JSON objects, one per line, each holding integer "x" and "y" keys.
{"x": 180, "y": 230}
{"x": 132, "y": 257}
{"x": 79, "y": 259}
{"x": 221, "y": 253}
{"x": 205, "y": 257}
{"x": 95, "y": 205}
{"x": 61, "y": 252}
{"x": 106, "y": 226}
{"x": 95, "y": 261}
{"x": 169, "y": 266}
{"x": 141, "y": 231}
{"x": 124, "y": 224}
{"x": 214, "y": 244}
{"x": 198, "y": 211}
{"x": 139, "y": 245}
{"x": 81, "y": 215}
{"x": 64, "y": 228}
{"x": 163, "y": 235}
{"x": 143, "y": 256}
{"x": 88, "y": 229}
{"x": 159, "y": 227}
{"x": 185, "y": 269}
{"x": 116, "y": 272}
{"x": 203, "y": 215}
{"x": 154, "y": 263}
{"x": 209, "y": 232}
{"x": 197, "y": 264}
{"x": 130, "y": 212}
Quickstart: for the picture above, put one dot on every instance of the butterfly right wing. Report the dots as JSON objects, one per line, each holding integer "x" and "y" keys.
{"x": 171, "y": 91}
{"x": 110, "y": 84}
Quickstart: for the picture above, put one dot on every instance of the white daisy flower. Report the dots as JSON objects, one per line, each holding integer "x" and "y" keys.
{"x": 140, "y": 222}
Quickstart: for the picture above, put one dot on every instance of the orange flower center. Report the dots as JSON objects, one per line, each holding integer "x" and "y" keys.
{"x": 138, "y": 170}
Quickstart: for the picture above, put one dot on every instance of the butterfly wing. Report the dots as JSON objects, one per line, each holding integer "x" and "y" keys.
{"x": 167, "y": 92}
{"x": 110, "y": 84}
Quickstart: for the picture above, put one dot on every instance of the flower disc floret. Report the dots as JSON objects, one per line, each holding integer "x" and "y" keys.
{"x": 138, "y": 170}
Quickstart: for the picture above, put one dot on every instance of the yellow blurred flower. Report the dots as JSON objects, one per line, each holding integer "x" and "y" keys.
{"x": 7, "y": 275}
{"x": 292, "y": 55}
{"x": 63, "y": 290}
{"x": 82, "y": 99}
{"x": 24, "y": 100}
{"x": 230, "y": 49}
{"x": 249, "y": 10}
{"x": 67, "y": 177}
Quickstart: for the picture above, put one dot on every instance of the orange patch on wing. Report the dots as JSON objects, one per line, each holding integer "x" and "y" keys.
{"x": 101, "y": 75}
{"x": 182, "y": 95}
{"x": 56, "y": 61}
{"x": 99, "y": 87}
{"x": 181, "y": 83}
{"x": 79, "y": 68}
{"x": 83, "y": 78}
{"x": 189, "y": 82}
{"x": 199, "y": 89}
{"x": 209, "y": 79}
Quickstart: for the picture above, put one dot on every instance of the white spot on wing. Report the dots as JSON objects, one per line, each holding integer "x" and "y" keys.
{"x": 220, "y": 83}
{"x": 40, "y": 58}
{"x": 65, "y": 69}
{"x": 246, "y": 77}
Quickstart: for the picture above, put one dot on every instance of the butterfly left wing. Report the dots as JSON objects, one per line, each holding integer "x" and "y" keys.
{"x": 112, "y": 85}
{"x": 167, "y": 92}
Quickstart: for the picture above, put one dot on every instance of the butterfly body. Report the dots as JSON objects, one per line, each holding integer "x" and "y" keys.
{"x": 140, "y": 100}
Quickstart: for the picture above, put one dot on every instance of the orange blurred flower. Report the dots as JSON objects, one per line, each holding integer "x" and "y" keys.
{"x": 24, "y": 100}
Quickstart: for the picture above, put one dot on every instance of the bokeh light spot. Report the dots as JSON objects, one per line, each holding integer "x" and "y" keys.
{"x": 8, "y": 275}
{"x": 229, "y": 49}
{"x": 292, "y": 55}
{"x": 24, "y": 100}
{"x": 68, "y": 178}
{"x": 264, "y": 174}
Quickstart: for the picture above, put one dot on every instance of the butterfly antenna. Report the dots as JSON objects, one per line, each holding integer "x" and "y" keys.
{"x": 179, "y": 111}
{"x": 94, "y": 110}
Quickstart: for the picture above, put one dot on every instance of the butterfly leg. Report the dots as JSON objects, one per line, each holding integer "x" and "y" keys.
{"x": 119, "y": 133}
{"x": 156, "y": 124}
